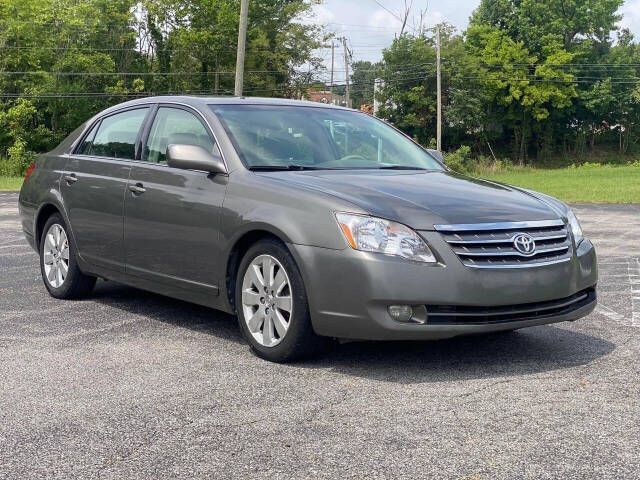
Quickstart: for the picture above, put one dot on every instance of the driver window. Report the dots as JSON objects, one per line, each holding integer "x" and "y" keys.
{"x": 174, "y": 126}
{"x": 284, "y": 144}
{"x": 353, "y": 141}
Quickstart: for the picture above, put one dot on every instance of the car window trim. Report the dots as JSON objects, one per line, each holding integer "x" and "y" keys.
{"x": 80, "y": 140}
{"x": 146, "y": 128}
{"x": 95, "y": 125}
{"x": 186, "y": 108}
{"x": 76, "y": 146}
{"x": 151, "y": 105}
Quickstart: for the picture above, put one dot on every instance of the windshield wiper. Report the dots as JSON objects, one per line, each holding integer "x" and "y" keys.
{"x": 400, "y": 167}
{"x": 276, "y": 168}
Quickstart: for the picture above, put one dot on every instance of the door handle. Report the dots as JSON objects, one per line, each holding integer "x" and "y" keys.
{"x": 71, "y": 178}
{"x": 137, "y": 189}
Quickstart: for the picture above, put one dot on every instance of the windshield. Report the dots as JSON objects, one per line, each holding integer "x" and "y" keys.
{"x": 289, "y": 137}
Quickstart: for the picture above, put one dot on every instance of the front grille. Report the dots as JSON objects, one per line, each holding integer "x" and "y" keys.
{"x": 465, "y": 315}
{"x": 490, "y": 245}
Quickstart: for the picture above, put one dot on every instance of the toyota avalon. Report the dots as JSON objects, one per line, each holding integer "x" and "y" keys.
{"x": 307, "y": 221}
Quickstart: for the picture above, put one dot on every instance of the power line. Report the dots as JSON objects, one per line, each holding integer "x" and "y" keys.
{"x": 621, "y": 81}
{"x": 140, "y": 74}
{"x": 394, "y": 14}
{"x": 208, "y": 48}
{"x": 193, "y": 92}
{"x": 399, "y": 70}
{"x": 399, "y": 80}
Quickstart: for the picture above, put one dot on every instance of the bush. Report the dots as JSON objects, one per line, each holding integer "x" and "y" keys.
{"x": 460, "y": 160}
{"x": 591, "y": 166}
{"x": 18, "y": 162}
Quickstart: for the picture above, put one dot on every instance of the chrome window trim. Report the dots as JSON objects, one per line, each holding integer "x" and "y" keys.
{"x": 498, "y": 226}
{"x": 97, "y": 119}
{"x": 149, "y": 104}
{"x": 194, "y": 109}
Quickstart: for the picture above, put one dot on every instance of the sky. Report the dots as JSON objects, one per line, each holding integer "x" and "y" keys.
{"x": 369, "y": 27}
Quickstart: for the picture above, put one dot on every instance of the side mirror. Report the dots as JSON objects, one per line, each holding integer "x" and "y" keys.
{"x": 194, "y": 157}
{"x": 437, "y": 154}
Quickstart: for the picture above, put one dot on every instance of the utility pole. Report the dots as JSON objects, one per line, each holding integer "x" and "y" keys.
{"x": 346, "y": 69}
{"x": 216, "y": 82}
{"x": 333, "y": 47}
{"x": 242, "y": 40}
{"x": 377, "y": 85}
{"x": 439, "y": 82}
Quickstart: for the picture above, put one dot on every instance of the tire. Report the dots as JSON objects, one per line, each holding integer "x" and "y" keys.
{"x": 58, "y": 254}
{"x": 290, "y": 335}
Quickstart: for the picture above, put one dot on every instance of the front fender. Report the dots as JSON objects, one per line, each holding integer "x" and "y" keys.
{"x": 294, "y": 214}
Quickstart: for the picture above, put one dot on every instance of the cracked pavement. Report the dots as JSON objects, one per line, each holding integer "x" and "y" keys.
{"x": 129, "y": 384}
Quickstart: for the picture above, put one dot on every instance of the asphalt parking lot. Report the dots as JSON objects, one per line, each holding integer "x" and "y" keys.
{"x": 128, "y": 384}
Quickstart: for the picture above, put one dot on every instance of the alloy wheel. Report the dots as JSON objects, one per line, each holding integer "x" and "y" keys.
{"x": 56, "y": 255}
{"x": 267, "y": 301}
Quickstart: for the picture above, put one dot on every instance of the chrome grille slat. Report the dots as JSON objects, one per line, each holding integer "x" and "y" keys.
{"x": 490, "y": 245}
{"x": 504, "y": 240}
{"x": 467, "y": 227}
{"x": 513, "y": 253}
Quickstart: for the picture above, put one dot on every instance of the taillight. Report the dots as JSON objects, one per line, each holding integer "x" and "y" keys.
{"x": 31, "y": 168}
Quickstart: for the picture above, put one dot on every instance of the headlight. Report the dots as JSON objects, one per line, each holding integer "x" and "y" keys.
{"x": 371, "y": 234}
{"x": 576, "y": 229}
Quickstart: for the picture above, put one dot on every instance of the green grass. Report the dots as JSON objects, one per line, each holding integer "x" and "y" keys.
{"x": 10, "y": 184}
{"x": 606, "y": 184}
{"x": 603, "y": 183}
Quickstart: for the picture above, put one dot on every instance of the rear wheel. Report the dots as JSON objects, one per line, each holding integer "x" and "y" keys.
{"x": 273, "y": 311}
{"x": 58, "y": 264}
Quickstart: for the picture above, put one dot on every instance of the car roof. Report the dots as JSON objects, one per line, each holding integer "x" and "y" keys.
{"x": 202, "y": 101}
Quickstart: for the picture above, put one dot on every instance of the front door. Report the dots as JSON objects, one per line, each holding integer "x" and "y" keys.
{"x": 172, "y": 216}
{"x": 94, "y": 183}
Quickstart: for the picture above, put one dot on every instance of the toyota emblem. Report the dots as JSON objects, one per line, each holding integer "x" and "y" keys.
{"x": 524, "y": 243}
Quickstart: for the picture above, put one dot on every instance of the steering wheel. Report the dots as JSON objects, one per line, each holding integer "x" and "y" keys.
{"x": 358, "y": 160}
{"x": 354, "y": 157}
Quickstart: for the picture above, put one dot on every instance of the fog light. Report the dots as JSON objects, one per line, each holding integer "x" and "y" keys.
{"x": 400, "y": 313}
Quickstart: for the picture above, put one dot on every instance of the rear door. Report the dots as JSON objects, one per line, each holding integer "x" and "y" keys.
{"x": 94, "y": 183}
{"x": 172, "y": 216}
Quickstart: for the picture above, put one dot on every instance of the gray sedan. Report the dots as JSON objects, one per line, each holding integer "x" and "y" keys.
{"x": 309, "y": 222}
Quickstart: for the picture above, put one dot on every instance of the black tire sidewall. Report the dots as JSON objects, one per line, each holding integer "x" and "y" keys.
{"x": 74, "y": 276}
{"x": 300, "y": 332}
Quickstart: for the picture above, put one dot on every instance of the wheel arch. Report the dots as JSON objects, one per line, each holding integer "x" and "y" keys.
{"x": 44, "y": 213}
{"x": 239, "y": 247}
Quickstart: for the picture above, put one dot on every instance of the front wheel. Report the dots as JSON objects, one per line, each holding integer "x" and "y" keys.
{"x": 58, "y": 264}
{"x": 273, "y": 311}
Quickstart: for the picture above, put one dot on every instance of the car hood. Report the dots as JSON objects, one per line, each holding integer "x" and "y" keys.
{"x": 424, "y": 199}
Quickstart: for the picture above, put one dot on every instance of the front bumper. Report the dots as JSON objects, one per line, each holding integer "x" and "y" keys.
{"x": 349, "y": 291}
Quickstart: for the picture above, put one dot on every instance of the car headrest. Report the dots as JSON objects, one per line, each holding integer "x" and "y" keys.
{"x": 183, "y": 139}
{"x": 122, "y": 136}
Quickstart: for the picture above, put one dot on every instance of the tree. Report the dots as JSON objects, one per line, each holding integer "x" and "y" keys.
{"x": 68, "y": 59}
{"x": 362, "y": 83}
{"x": 534, "y": 21}
{"x": 526, "y": 86}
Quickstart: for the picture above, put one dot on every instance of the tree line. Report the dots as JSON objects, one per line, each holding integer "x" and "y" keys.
{"x": 61, "y": 61}
{"x": 528, "y": 80}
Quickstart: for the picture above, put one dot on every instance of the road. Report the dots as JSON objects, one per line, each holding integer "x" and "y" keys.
{"x": 129, "y": 384}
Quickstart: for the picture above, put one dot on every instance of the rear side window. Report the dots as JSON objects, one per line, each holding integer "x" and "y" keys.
{"x": 174, "y": 126}
{"x": 85, "y": 147}
{"x": 117, "y": 134}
